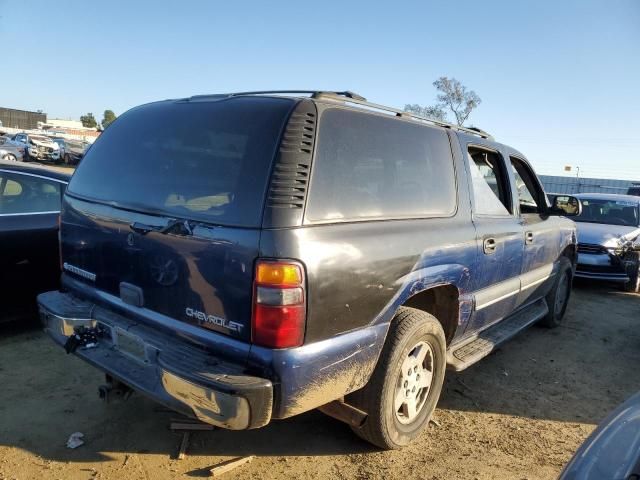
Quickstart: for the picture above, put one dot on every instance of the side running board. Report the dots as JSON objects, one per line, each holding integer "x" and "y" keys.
{"x": 482, "y": 344}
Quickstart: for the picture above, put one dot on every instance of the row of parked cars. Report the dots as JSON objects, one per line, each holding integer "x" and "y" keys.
{"x": 23, "y": 147}
{"x": 248, "y": 257}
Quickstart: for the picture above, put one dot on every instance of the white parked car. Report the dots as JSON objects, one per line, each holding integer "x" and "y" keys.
{"x": 37, "y": 147}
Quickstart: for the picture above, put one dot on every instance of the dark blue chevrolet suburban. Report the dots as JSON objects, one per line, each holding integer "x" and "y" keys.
{"x": 247, "y": 257}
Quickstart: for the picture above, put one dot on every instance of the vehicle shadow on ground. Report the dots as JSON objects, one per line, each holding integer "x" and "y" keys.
{"x": 576, "y": 373}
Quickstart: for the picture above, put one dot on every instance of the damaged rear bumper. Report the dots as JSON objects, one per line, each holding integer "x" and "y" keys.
{"x": 169, "y": 370}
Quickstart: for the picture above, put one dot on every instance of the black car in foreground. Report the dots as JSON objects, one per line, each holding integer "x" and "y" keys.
{"x": 252, "y": 256}
{"x": 30, "y": 199}
{"x": 612, "y": 451}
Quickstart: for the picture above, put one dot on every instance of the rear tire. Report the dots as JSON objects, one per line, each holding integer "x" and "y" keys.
{"x": 9, "y": 157}
{"x": 406, "y": 383}
{"x": 558, "y": 297}
{"x": 633, "y": 272}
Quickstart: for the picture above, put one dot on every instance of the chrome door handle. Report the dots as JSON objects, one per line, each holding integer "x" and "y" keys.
{"x": 489, "y": 246}
{"x": 528, "y": 238}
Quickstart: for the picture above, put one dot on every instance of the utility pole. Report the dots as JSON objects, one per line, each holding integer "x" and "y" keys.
{"x": 568, "y": 168}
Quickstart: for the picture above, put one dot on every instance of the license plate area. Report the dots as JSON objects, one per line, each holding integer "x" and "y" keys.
{"x": 130, "y": 345}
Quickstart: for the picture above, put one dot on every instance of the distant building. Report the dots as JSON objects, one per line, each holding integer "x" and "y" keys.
{"x": 88, "y": 134}
{"x": 22, "y": 119}
{"x": 59, "y": 122}
{"x": 570, "y": 185}
{"x": 59, "y": 126}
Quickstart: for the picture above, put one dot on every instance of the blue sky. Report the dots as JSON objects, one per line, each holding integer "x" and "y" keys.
{"x": 559, "y": 80}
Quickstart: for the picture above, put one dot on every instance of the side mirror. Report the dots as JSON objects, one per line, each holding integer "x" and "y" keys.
{"x": 566, "y": 205}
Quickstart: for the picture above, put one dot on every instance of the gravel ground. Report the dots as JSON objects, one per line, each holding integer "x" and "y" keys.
{"x": 518, "y": 414}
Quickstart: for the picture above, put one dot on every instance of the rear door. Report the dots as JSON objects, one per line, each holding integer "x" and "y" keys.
{"x": 542, "y": 233}
{"x": 29, "y": 209}
{"x": 499, "y": 235}
{"x": 164, "y": 211}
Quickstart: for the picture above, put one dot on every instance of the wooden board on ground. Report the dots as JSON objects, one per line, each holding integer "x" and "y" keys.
{"x": 225, "y": 467}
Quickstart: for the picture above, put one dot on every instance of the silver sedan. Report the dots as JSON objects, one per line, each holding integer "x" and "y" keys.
{"x": 9, "y": 151}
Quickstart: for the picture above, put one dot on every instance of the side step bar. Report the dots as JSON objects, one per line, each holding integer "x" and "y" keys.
{"x": 471, "y": 350}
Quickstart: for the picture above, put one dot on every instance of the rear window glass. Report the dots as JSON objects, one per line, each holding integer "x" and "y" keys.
{"x": 202, "y": 160}
{"x": 370, "y": 166}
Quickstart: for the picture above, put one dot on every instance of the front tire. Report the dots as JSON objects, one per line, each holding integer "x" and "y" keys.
{"x": 406, "y": 383}
{"x": 558, "y": 297}
{"x": 9, "y": 157}
{"x": 633, "y": 272}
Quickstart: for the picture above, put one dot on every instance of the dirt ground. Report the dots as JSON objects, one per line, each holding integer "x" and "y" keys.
{"x": 518, "y": 414}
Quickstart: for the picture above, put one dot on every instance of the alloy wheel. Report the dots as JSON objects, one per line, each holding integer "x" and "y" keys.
{"x": 414, "y": 383}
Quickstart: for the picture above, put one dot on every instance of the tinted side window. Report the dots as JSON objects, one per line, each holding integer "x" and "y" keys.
{"x": 369, "y": 166}
{"x": 26, "y": 194}
{"x": 489, "y": 182}
{"x": 530, "y": 195}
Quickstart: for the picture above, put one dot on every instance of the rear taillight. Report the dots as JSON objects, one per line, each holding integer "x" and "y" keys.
{"x": 279, "y": 304}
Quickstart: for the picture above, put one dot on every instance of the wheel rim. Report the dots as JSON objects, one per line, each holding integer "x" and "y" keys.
{"x": 563, "y": 290}
{"x": 10, "y": 158}
{"x": 414, "y": 383}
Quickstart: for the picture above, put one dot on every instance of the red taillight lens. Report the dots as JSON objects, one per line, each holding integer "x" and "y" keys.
{"x": 279, "y": 304}
{"x": 278, "y": 327}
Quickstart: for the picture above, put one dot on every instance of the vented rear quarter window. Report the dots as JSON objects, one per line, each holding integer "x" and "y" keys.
{"x": 202, "y": 160}
{"x": 371, "y": 167}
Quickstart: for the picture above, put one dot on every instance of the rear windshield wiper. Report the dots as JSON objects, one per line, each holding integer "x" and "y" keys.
{"x": 179, "y": 226}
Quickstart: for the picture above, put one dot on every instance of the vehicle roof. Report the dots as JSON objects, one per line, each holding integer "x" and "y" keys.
{"x": 36, "y": 170}
{"x": 609, "y": 196}
{"x": 344, "y": 99}
{"x": 352, "y": 101}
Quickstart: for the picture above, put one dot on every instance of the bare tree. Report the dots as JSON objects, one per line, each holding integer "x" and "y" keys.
{"x": 434, "y": 112}
{"x": 457, "y": 98}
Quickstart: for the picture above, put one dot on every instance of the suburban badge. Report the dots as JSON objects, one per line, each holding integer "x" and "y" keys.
{"x": 78, "y": 271}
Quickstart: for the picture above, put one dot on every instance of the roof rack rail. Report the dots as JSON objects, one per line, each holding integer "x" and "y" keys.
{"x": 312, "y": 93}
{"x": 479, "y": 131}
{"x": 351, "y": 97}
{"x": 401, "y": 113}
